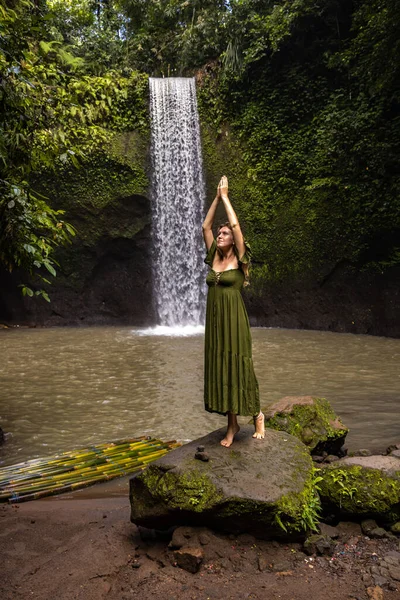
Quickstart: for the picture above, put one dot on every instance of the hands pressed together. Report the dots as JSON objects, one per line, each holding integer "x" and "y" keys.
{"x": 222, "y": 194}
{"x": 222, "y": 189}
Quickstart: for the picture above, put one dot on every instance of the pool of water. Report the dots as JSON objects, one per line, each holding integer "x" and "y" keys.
{"x": 65, "y": 388}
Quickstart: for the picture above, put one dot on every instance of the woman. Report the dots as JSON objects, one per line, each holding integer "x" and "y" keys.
{"x": 230, "y": 384}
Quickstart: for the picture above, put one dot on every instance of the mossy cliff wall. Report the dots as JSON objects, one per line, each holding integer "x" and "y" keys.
{"x": 316, "y": 264}
{"x": 105, "y": 275}
{"x": 292, "y": 286}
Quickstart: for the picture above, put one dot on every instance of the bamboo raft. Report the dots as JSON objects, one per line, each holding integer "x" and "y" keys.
{"x": 77, "y": 469}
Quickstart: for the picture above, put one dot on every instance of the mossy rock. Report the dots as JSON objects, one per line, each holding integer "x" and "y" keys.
{"x": 264, "y": 487}
{"x": 310, "y": 419}
{"x": 395, "y": 528}
{"x": 362, "y": 487}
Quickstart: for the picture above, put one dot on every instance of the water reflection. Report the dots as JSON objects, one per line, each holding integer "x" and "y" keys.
{"x": 63, "y": 388}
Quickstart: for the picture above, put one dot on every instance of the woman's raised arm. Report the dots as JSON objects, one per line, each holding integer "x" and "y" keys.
{"x": 209, "y": 221}
{"x": 232, "y": 217}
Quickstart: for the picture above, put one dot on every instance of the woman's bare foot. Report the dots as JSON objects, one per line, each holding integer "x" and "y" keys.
{"x": 230, "y": 434}
{"x": 259, "y": 426}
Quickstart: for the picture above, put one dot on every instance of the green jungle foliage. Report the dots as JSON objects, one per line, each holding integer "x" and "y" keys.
{"x": 56, "y": 111}
{"x": 299, "y": 102}
{"x": 313, "y": 99}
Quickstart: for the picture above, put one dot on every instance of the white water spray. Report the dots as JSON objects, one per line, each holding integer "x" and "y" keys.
{"x": 178, "y": 193}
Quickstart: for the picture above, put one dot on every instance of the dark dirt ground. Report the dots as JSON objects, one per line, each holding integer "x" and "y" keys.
{"x": 78, "y": 546}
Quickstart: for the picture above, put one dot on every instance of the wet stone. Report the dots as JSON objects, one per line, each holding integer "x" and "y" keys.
{"x": 394, "y": 572}
{"x": 204, "y": 538}
{"x": 367, "y": 579}
{"x": 236, "y": 560}
{"x": 180, "y": 537}
{"x": 331, "y": 458}
{"x": 392, "y": 447}
{"x": 263, "y": 563}
{"x": 282, "y": 565}
{"x": 202, "y": 456}
{"x": 348, "y": 529}
{"x": 318, "y": 459}
{"x": 381, "y": 581}
{"x": 368, "y": 525}
{"x": 189, "y": 559}
{"x": 361, "y": 452}
{"x": 391, "y": 560}
{"x": 325, "y": 529}
{"x": 188, "y": 532}
{"x": 396, "y": 528}
{"x": 320, "y": 544}
{"x": 378, "y": 533}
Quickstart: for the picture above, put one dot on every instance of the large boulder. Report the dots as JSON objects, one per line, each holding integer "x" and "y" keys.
{"x": 362, "y": 486}
{"x": 310, "y": 419}
{"x": 264, "y": 487}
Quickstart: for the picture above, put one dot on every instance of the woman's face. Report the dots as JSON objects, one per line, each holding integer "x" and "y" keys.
{"x": 224, "y": 237}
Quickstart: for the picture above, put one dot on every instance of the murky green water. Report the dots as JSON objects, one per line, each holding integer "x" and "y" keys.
{"x": 66, "y": 388}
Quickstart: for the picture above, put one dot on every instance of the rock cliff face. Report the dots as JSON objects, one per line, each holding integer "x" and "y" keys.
{"x": 105, "y": 275}
{"x": 107, "y": 282}
{"x": 364, "y": 303}
{"x": 111, "y": 284}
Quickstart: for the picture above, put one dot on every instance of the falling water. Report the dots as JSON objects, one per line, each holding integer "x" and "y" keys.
{"x": 177, "y": 202}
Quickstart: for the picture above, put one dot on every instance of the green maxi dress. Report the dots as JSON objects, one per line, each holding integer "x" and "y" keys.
{"x": 230, "y": 384}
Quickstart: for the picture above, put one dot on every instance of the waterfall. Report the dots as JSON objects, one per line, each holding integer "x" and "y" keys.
{"x": 177, "y": 195}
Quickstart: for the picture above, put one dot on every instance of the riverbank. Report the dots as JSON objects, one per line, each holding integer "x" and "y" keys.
{"x": 83, "y": 545}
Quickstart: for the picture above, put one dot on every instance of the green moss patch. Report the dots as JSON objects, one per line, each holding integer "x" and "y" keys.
{"x": 313, "y": 422}
{"x": 301, "y": 511}
{"x": 293, "y": 513}
{"x": 354, "y": 490}
{"x": 191, "y": 491}
{"x": 104, "y": 175}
